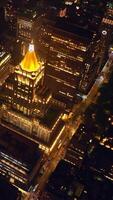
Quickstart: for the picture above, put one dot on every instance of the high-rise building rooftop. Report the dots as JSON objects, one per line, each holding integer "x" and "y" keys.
{"x": 30, "y": 63}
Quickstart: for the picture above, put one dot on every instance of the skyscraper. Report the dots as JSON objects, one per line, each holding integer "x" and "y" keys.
{"x": 72, "y": 60}
{"x": 106, "y": 29}
{"x": 28, "y": 23}
{"x": 5, "y": 66}
{"x": 11, "y": 16}
{"x": 27, "y": 103}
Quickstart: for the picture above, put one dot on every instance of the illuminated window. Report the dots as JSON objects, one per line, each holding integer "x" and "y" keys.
{"x": 18, "y": 106}
{"x": 79, "y": 58}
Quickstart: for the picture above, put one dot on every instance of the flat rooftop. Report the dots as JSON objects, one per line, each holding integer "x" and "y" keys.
{"x": 51, "y": 117}
{"x": 33, "y": 138}
{"x": 43, "y": 92}
{"x": 28, "y": 13}
{"x": 74, "y": 29}
{"x": 20, "y": 150}
{"x": 7, "y": 191}
{"x": 61, "y": 180}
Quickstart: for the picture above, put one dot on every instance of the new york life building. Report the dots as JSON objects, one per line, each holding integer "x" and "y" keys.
{"x": 27, "y": 102}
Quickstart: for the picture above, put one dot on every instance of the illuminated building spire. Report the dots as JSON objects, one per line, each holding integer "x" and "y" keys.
{"x": 30, "y": 62}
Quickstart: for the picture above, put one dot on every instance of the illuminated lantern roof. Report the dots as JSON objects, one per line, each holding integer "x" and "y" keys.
{"x": 30, "y": 62}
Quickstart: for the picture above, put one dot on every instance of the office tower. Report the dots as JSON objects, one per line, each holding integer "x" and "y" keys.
{"x": 108, "y": 17}
{"x": 5, "y": 65}
{"x": 106, "y": 29}
{"x": 27, "y": 104}
{"x": 12, "y": 191}
{"x": 20, "y": 159}
{"x": 11, "y": 16}
{"x": 72, "y": 60}
{"x": 28, "y": 24}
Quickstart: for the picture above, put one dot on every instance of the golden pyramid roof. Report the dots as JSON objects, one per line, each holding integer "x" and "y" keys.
{"x": 30, "y": 62}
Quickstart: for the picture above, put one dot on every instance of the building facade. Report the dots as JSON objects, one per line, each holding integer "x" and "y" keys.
{"x": 28, "y": 24}
{"x": 5, "y": 65}
{"x": 27, "y": 103}
{"x": 106, "y": 30}
{"x": 72, "y": 60}
{"x": 11, "y": 16}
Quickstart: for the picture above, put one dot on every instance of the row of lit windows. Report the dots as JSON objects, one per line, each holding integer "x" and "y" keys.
{"x": 5, "y": 60}
{"x": 62, "y": 81}
{"x": 13, "y": 160}
{"x": 41, "y": 132}
{"x": 23, "y": 80}
{"x": 62, "y": 54}
{"x": 46, "y": 44}
{"x": 8, "y": 99}
{"x": 11, "y": 172}
{"x": 21, "y": 108}
{"x": 26, "y": 90}
{"x": 18, "y": 178}
{"x": 24, "y": 97}
{"x": 67, "y": 94}
{"x": 65, "y": 70}
{"x": 82, "y": 48}
{"x": 107, "y": 21}
{"x": 20, "y": 85}
{"x": 59, "y": 40}
{"x": 70, "y": 44}
{"x": 28, "y": 28}
{"x": 25, "y": 33}
{"x": 9, "y": 86}
{"x": 23, "y": 93}
{"x": 13, "y": 166}
{"x": 26, "y": 78}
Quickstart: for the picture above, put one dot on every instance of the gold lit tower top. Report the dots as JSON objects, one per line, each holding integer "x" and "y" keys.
{"x": 30, "y": 63}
